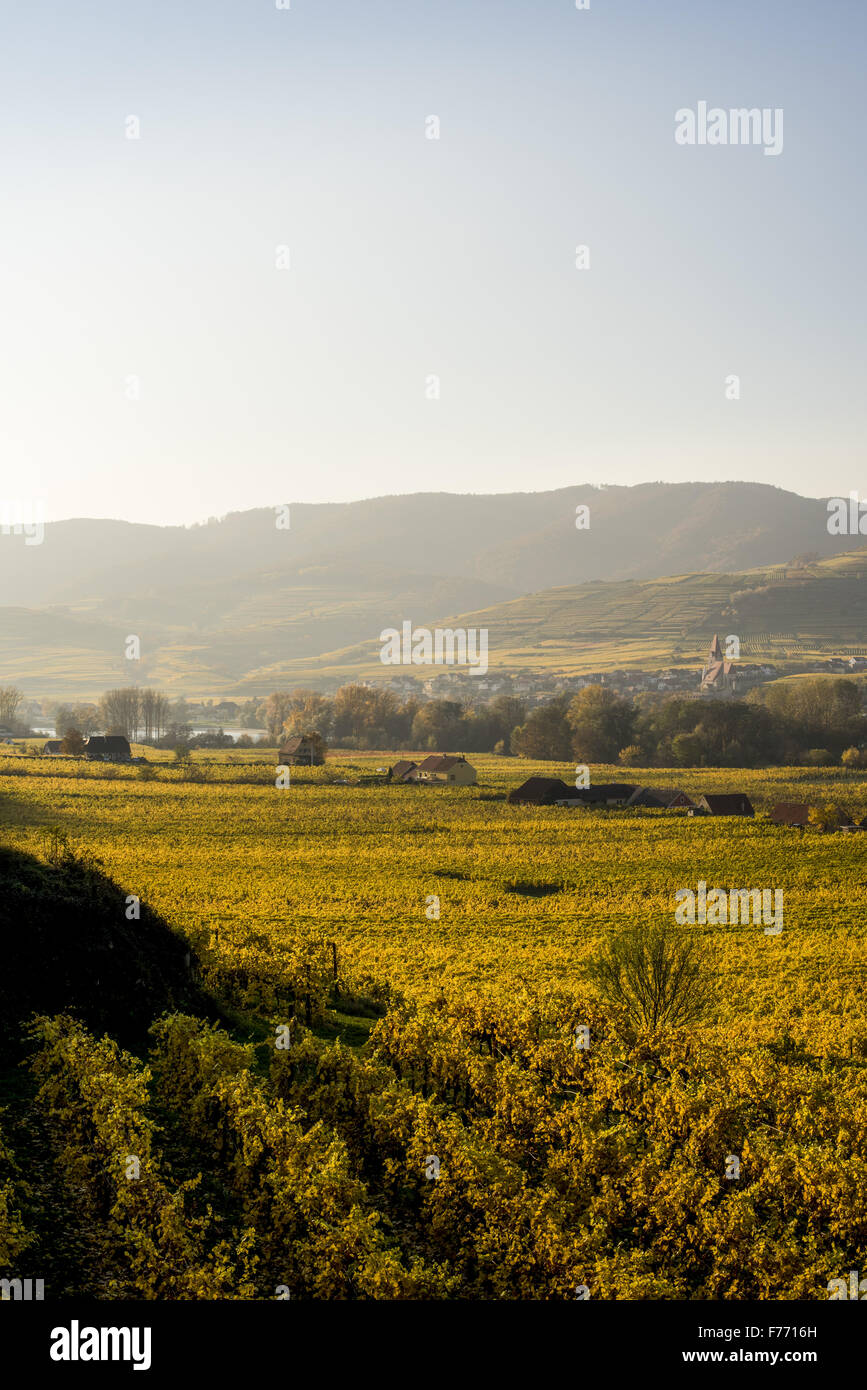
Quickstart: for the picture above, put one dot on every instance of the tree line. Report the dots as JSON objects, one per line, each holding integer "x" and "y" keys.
{"x": 802, "y": 721}
{"x": 813, "y": 722}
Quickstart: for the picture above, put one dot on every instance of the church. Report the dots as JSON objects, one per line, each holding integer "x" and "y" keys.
{"x": 717, "y": 677}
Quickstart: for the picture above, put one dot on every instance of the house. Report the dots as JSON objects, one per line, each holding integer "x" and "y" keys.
{"x": 303, "y": 749}
{"x": 724, "y": 804}
{"x": 605, "y": 794}
{"x": 108, "y": 748}
{"x": 791, "y": 813}
{"x": 401, "y": 770}
{"x": 443, "y": 767}
{"x": 52, "y": 746}
{"x": 660, "y": 798}
{"x": 717, "y": 676}
{"x": 540, "y": 791}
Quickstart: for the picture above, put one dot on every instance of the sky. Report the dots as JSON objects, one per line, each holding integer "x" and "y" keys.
{"x": 161, "y": 362}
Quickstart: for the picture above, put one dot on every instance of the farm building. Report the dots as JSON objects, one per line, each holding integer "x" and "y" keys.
{"x": 401, "y": 770}
{"x": 108, "y": 748}
{"x": 664, "y": 798}
{"x": 443, "y": 767}
{"x": 540, "y": 791}
{"x": 300, "y": 748}
{"x": 791, "y": 813}
{"x": 724, "y": 804}
{"x": 605, "y": 794}
{"x": 52, "y": 747}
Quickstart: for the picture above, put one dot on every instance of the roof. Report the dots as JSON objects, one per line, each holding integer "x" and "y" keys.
{"x": 440, "y": 762}
{"x": 540, "y": 791}
{"x": 605, "y": 791}
{"x": 401, "y": 768}
{"x": 293, "y": 743}
{"x": 791, "y": 813}
{"x": 102, "y": 743}
{"x": 658, "y": 796}
{"x": 727, "y": 804}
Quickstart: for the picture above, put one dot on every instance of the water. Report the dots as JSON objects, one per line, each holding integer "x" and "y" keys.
{"x": 49, "y": 731}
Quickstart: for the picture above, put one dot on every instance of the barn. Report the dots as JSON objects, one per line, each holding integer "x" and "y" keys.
{"x": 108, "y": 748}
{"x": 401, "y": 770}
{"x": 540, "y": 791}
{"x": 300, "y": 748}
{"x": 724, "y": 804}
{"x": 660, "y": 798}
{"x": 791, "y": 813}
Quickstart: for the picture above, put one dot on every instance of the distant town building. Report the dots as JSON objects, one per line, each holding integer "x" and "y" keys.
{"x": 717, "y": 676}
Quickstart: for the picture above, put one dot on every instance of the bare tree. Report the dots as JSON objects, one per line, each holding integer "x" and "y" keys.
{"x": 656, "y": 975}
{"x": 10, "y": 699}
{"x": 121, "y": 710}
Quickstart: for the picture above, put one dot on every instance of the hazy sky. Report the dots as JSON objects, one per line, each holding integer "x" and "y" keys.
{"x": 149, "y": 264}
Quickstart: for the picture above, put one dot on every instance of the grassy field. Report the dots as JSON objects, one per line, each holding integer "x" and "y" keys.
{"x": 525, "y": 893}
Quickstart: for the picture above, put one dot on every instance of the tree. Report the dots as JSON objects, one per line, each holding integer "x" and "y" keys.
{"x": 631, "y": 755}
{"x": 120, "y": 710}
{"x": 687, "y": 749}
{"x": 439, "y": 725}
{"x": 655, "y": 975}
{"x": 602, "y": 723}
{"x": 154, "y": 712}
{"x": 545, "y": 734}
{"x": 852, "y": 757}
{"x": 825, "y": 817}
{"x": 63, "y": 719}
{"x": 10, "y": 699}
{"x": 275, "y": 711}
{"x": 507, "y": 712}
{"x": 72, "y": 742}
{"x": 818, "y": 757}
{"x": 309, "y": 711}
{"x": 365, "y": 716}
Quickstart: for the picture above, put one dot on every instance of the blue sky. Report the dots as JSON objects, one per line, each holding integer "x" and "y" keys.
{"x": 147, "y": 267}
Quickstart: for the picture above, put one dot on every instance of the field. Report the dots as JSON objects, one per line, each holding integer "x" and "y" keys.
{"x": 525, "y": 893}
{"x": 426, "y": 1124}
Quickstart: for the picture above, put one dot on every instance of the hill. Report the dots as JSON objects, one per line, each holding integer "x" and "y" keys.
{"x": 228, "y": 606}
{"x": 781, "y": 614}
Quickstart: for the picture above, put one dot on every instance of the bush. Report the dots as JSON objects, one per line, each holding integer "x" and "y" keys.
{"x": 852, "y": 757}
{"x": 631, "y": 756}
{"x": 818, "y": 757}
{"x": 654, "y": 976}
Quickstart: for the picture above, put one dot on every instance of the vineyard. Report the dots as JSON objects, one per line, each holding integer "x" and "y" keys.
{"x": 381, "y": 1065}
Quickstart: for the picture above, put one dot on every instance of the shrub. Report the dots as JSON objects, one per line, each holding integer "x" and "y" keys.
{"x": 654, "y": 976}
